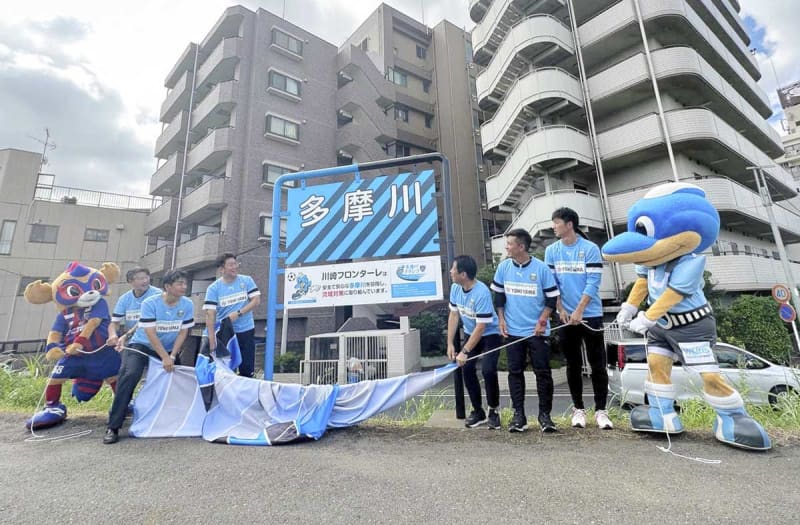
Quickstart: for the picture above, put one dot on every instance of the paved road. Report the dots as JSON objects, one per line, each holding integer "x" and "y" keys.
{"x": 373, "y": 474}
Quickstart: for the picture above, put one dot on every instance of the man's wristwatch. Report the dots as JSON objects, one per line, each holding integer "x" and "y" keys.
{"x": 239, "y": 312}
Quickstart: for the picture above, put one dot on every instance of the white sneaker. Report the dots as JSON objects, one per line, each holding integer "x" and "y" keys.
{"x": 601, "y": 417}
{"x": 578, "y": 418}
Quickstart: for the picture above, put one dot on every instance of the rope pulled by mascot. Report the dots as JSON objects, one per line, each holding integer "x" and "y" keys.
{"x": 667, "y": 230}
{"x": 77, "y": 339}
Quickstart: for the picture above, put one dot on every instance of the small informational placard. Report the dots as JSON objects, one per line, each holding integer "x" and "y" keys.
{"x": 781, "y": 293}
{"x": 787, "y": 313}
{"x": 369, "y": 282}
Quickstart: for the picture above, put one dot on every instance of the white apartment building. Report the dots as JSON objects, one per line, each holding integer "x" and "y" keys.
{"x": 570, "y": 118}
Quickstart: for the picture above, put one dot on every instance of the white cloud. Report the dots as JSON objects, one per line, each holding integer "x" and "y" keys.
{"x": 104, "y": 64}
{"x": 779, "y": 65}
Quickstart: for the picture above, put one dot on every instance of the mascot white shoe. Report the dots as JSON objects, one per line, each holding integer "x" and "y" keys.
{"x": 667, "y": 230}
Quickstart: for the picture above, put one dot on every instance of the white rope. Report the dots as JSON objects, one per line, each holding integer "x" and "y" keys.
{"x": 36, "y": 438}
{"x": 559, "y": 327}
{"x": 668, "y": 448}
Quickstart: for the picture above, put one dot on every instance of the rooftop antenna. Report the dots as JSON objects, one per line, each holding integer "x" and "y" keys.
{"x": 47, "y": 145}
{"x": 422, "y": 8}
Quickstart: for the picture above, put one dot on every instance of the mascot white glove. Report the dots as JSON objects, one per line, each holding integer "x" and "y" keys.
{"x": 641, "y": 324}
{"x": 626, "y": 312}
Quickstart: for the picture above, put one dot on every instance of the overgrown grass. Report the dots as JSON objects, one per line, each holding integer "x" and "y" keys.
{"x": 415, "y": 412}
{"x": 21, "y": 390}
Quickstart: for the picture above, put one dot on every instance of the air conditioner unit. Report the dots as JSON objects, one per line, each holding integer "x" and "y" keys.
{"x": 120, "y": 227}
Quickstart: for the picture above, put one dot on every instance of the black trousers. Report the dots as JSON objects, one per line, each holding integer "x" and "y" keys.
{"x": 571, "y": 338}
{"x": 537, "y": 350}
{"x": 247, "y": 345}
{"x": 133, "y": 365}
{"x": 489, "y": 372}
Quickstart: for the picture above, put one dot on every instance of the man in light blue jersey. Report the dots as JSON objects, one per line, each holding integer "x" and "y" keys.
{"x": 578, "y": 268}
{"x": 164, "y": 323}
{"x": 234, "y": 296}
{"x": 129, "y": 305}
{"x": 525, "y": 296}
{"x": 471, "y": 302}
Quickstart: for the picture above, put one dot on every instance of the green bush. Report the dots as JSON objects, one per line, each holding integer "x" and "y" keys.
{"x": 753, "y": 322}
{"x": 287, "y": 363}
{"x": 432, "y": 332}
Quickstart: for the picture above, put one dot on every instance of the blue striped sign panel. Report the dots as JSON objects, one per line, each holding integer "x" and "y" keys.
{"x": 379, "y": 217}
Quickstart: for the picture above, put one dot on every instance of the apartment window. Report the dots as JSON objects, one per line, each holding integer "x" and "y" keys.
{"x": 271, "y": 172}
{"x": 25, "y": 281}
{"x": 287, "y": 42}
{"x": 7, "y": 236}
{"x": 397, "y": 77}
{"x": 265, "y": 227}
{"x": 44, "y": 233}
{"x": 284, "y": 83}
{"x": 402, "y": 150}
{"x": 426, "y": 86}
{"x": 776, "y": 255}
{"x": 422, "y": 52}
{"x": 428, "y": 121}
{"x": 364, "y": 45}
{"x": 401, "y": 113}
{"x": 735, "y": 248}
{"x": 282, "y": 127}
{"x": 93, "y": 234}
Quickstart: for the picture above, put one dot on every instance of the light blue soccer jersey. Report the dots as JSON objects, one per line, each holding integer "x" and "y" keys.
{"x": 578, "y": 270}
{"x": 167, "y": 320}
{"x": 227, "y": 298}
{"x": 474, "y": 306}
{"x": 526, "y": 288}
{"x": 128, "y": 308}
{"x": 685, "y": 276}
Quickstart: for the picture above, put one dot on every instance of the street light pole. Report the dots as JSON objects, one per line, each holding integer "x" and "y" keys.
{"x": 766, "y": 198}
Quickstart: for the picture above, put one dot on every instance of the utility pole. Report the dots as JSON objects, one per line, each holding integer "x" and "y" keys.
{"x": 766, "y": 198}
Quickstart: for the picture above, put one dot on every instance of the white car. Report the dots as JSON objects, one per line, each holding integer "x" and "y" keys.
{"x": 758, "y": 380}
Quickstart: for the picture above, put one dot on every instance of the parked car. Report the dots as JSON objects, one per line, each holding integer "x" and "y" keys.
{"x": 758, "y": 380}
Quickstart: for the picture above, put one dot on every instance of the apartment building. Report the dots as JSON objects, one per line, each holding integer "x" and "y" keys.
{"x": 44, "y": 227}
{"x": 570, "y": 118}
{"x": 260, "y": 97}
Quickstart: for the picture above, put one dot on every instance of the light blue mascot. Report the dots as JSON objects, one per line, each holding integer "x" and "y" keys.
{"x": 667, "y": 230}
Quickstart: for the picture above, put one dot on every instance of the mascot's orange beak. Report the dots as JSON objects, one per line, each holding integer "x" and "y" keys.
{"x": 657, "y": 252}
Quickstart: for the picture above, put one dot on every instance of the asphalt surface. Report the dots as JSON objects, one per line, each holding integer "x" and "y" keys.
{"x": 380, "y": 474}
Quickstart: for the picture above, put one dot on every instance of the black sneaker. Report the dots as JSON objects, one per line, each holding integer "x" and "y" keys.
{"x": 519, "y": 423}
{"x": 476, "y": 418}
{"x": 546, "y": 423}
{"x": 111, "y": 437}
{"x": 494, "y": 420}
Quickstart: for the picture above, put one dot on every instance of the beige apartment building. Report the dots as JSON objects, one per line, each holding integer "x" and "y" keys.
{"x": 570, "y": 118}
{"x": 44, "y": 227}
{"x": 260, "y": 96}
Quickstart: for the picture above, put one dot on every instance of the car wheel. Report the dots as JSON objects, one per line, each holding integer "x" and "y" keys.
{"x": 776, "y": 393}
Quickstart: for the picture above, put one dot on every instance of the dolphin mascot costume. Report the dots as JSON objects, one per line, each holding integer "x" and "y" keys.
{"x": 667, "y": 230}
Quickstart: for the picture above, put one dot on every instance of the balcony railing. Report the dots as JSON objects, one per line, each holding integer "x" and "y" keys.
{"x": 99, "y": 199}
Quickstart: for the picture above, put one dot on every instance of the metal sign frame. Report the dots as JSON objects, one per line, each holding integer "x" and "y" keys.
{"x": 276, "y": 255}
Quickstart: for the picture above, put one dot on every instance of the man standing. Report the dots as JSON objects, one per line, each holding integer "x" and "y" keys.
{"x": 163, "y": 326}
{"x": 129, "y": 305}
{"x": 234, "y": 296}
{"x": 525, "y": 296}
{"x": 578, "y": 269}
{"x": 471, "y": 301}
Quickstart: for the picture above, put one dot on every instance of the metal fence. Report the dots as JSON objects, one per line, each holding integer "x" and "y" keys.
{"x": 98, "y": 199}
